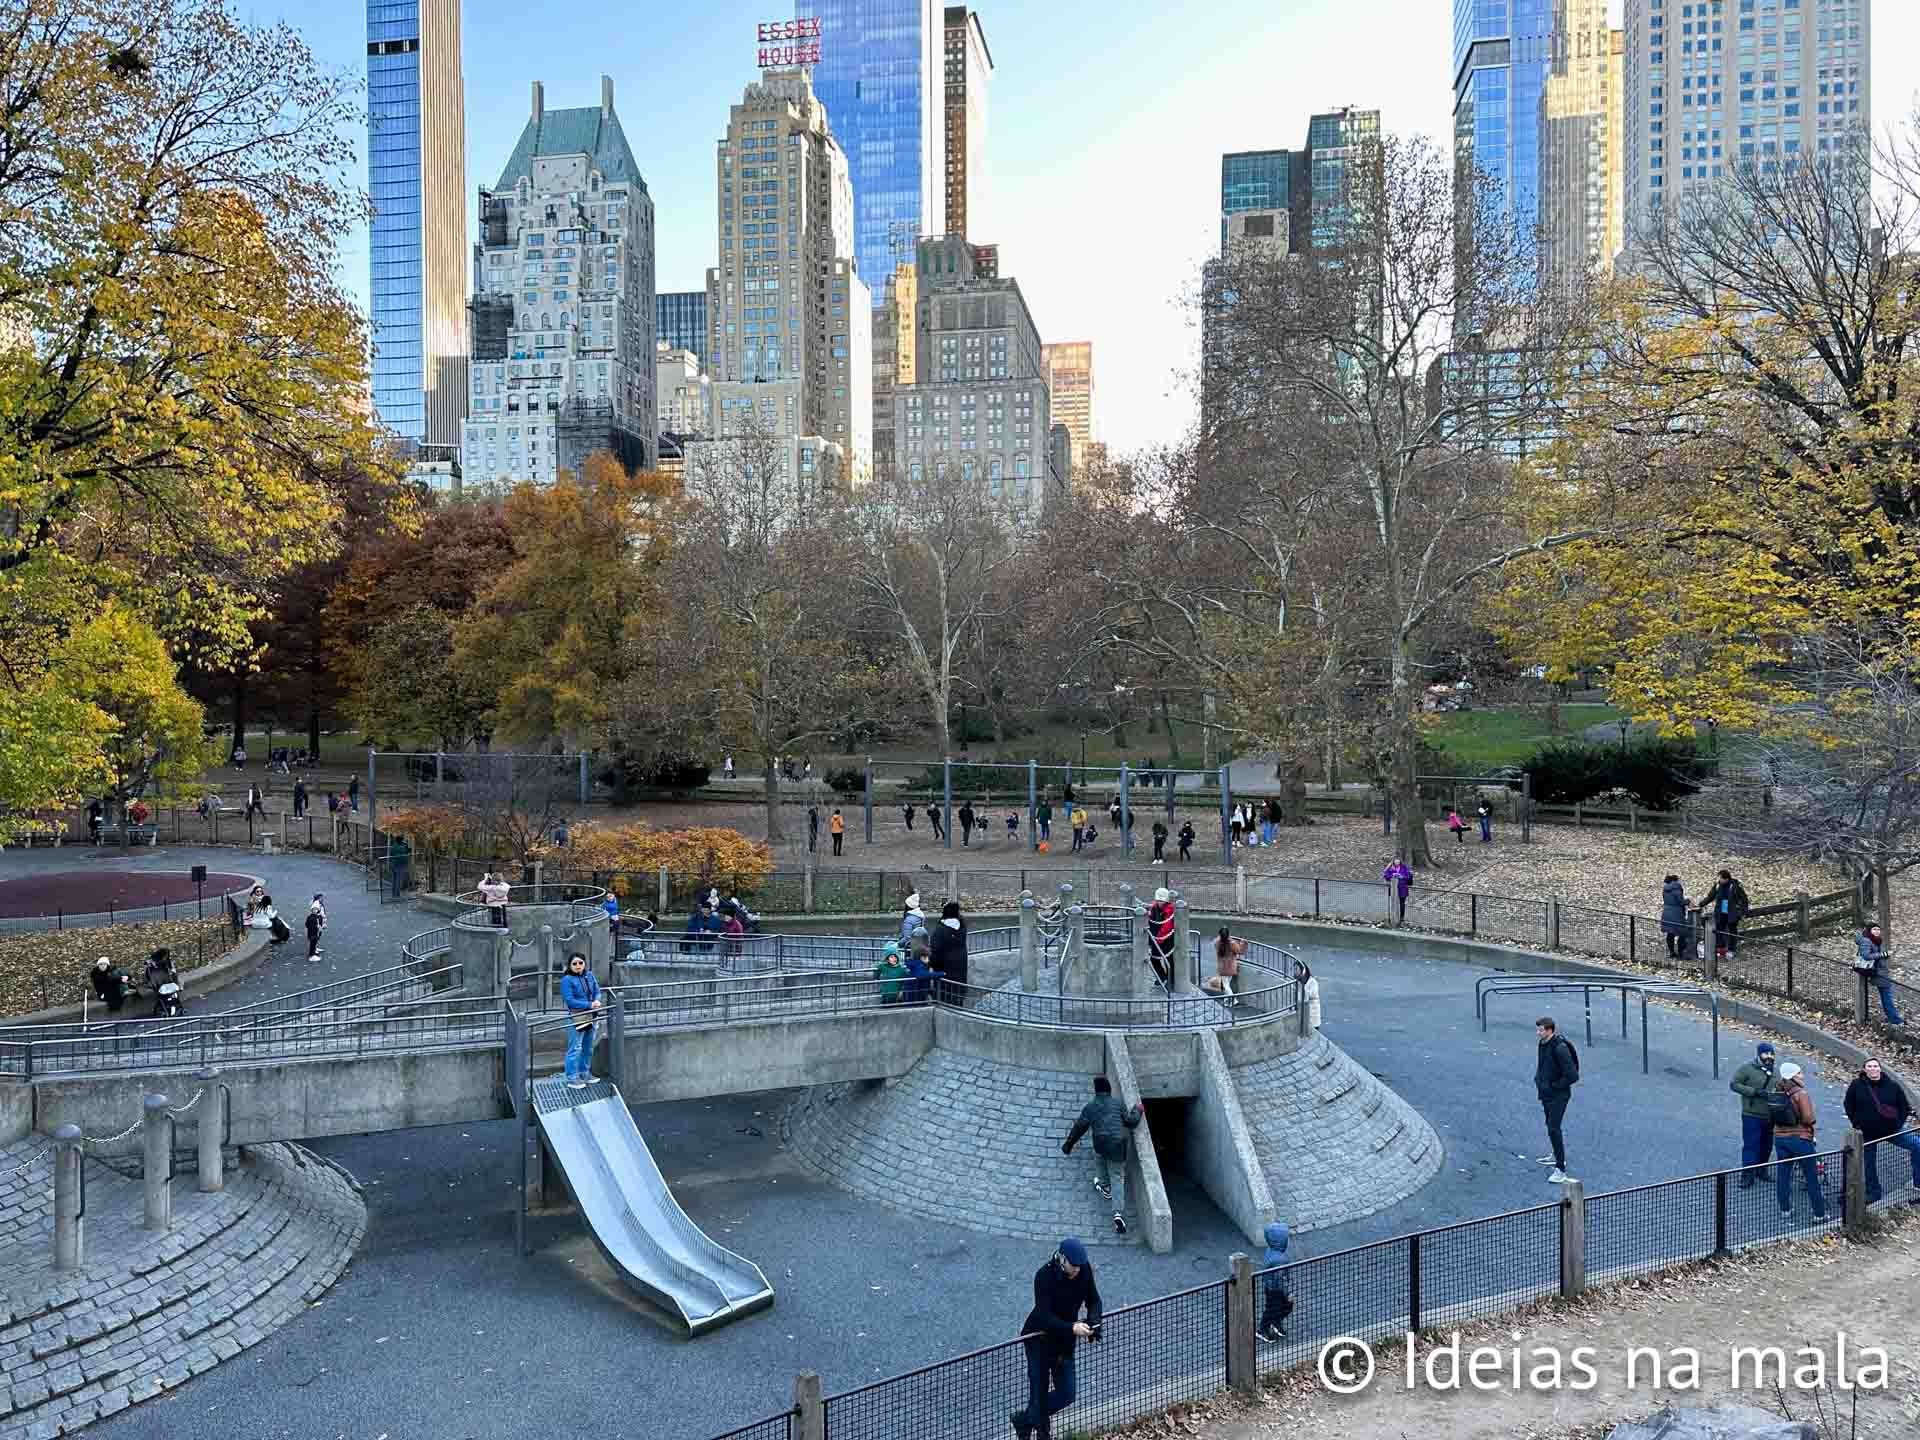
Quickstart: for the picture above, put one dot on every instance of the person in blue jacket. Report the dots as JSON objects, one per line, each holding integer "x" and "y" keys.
{"x": 580, "y": 993}
{"x": 919, "y": 987}
{"x": 1276, "y": 1304}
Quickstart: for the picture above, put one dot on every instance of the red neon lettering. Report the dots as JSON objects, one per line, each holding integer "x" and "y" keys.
{"x": 762, "y": 36}
{"x": 765, "y": 63}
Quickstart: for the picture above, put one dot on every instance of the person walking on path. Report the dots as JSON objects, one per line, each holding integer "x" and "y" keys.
{"x": 1729, "y": 902}
{"x": 1753, "y": 1083}
{"x": 1159, "y": 842}
{"x": 1673, "y": 917}
{"x": 1275, "y": 1303}
{"x": 1457, "y": 826}
{"x": 966, "y": 823}
{"x": 933, "y": 819}
{"x": 1112, "y": 1125}
{"x": 316, "y": 922}
{"x": 1401, "y": 878}
{"x": 1044, "y": 816}
{"x": 837, "y": 827}
{"x": 1872, "y": 963}
{"x": 947, "y": 953}
{"x": 1485, "y": 813}
{"x": 1793, "y": 1129}
{"x": 580, "y": 993}
{"x": 1186, "y": 840}
{"x": 1555, "y": 1072}
{"x": 1061, "y": 1287}
{"x": 1878, "y": 1108}
{"x": 908, "y": 811}
{"x": 1079, "y": 820}
{"x": 300, "y": 799}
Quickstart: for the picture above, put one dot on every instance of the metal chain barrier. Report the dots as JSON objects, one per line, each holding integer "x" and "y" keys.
{"x": 180, "y": 1110}
{"x": 27, "y": 1164}
{"x": 113, "y": 1139}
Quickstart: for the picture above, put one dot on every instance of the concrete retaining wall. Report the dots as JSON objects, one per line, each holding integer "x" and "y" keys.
{"x": 16, "y": 1113}
{"x": 738, "y": 1059}
{"x": 302, "y": 1099}
{"x": 1220, "y": 1150}
{"x": 1144, "y": 1182}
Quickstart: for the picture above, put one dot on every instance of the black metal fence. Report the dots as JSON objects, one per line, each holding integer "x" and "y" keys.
{"x": 1179, "y": 1347}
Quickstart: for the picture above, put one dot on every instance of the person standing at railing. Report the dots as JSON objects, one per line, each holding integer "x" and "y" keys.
{"x": 1051, "y": 1330}
{"x": 1753, "y": 1083}
{"x": 912, "y": 917}
{"x": 1227, "y": 955}
{"x": 1673, "y": 917}
{"x": 947, "y": 954}
{"x": 494, "y": 892}
{"x": 580, "y": 993}
{"x": 353, "y": 793}
{"x": 1794, "y": 1123}
{"x": 1112, "y": 1125}
{"x": 1728, "y": 900}
{"x": 1160, "y": 934}
{"x": 1401, "y": 877}
{"x": 1872, "y": 963}
{"x": 1309, "y": 994}
{"x": 891, "y": 971}
{"x": 300, "y": 799}
{"x": 1878, "y": 1108}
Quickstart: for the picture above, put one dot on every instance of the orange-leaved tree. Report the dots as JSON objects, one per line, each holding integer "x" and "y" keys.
{"x": 709, "y": 852}
{"x": 434, "y": 830}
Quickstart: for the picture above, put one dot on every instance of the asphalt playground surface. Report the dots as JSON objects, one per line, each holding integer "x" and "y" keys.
{"x": 438, "y": 1331}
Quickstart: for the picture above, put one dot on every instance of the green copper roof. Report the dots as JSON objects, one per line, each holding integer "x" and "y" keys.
{"x": 574, "y": 132}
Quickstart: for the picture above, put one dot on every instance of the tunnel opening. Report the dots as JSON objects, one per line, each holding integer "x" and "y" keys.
{"x": 1167, "y": 1119}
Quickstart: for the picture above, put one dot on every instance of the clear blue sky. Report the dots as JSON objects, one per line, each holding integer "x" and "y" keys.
{"x": 1106, "y": 129}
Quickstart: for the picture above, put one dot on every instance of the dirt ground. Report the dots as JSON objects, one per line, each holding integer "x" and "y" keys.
{"x": 1803, "y": 1295}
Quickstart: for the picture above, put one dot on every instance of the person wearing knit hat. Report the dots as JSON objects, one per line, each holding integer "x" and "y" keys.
{"x": 1061, "y": 1287}
{"x": 1794, "y": 1143}
{"x": 1753, "y": 1083}
{"x": 912, "y": 916}
{"x": 1160, "y": 927}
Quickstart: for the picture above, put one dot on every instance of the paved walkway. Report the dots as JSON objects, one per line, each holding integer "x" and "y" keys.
{"x": 147, "y": 1311}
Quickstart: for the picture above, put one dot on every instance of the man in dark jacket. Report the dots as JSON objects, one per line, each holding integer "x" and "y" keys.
{"x": 966, "y": 823}
{"x": 1673, "y": 918}
{"x": 1729, "y": 903}
{"x": 1060, "y": 1288}
{"x": 1112, "y": 1125}
{"x": 1877, "y": 1107}
{"x": 1186, "y": 840}
{"x": 947, "y": 953}
{"x": 1554, "y": 1075}
{"x": 1753, "y": 1083}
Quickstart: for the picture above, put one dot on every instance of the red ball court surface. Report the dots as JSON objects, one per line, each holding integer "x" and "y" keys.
{"x": 80, "y": 892}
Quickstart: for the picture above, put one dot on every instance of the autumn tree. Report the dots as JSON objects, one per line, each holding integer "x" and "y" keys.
{"x": 1756, "y": 374}
{"x": 174, "y": 183}
{"x": 549, "y": 631}
{"x": 1390, "y": 377}
{"x": 931, "y": 563}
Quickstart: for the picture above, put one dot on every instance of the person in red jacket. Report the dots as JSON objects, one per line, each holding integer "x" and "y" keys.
{"x": 1160, "y": 936}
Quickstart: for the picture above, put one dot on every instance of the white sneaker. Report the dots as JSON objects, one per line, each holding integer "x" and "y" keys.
{"x": 1558, "y": 1177}
{"x": 1544, "y": 1159}
{"x": 583, "y": 1085}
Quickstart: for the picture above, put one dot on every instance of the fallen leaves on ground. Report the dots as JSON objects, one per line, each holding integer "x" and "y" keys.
{"x": 44, "y": 968}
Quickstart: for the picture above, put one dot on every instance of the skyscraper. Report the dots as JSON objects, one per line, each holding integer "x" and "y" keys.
{"x": 893, "y": 360}
{"x": 563, "y": 303}
{"x": 1771, "y": 81}
{"x": 968, "y": 65}
{"x": 881, "y": 77}
{"x": 1307, "y": 184}
{"x": 1501, "y": 53}
{"x": 788, "y": 318}
{"x": 1578, "y": 151}
{"x": 417, "y": 178}
{"x": 680, "y": 319}
{"x": 1257, "y": 180}
{"x": 979, "y": 404}
{"x": 1337, "y": 140}
{"x": 1068, "y": 366}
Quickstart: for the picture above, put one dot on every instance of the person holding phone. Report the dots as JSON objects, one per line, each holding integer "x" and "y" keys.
{"x": 1052, "y": 1329}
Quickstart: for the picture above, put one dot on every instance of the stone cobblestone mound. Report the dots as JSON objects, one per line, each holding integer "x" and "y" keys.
{"x": 150, "y": 1310}
{"x": 1335, "y": 1141}
{"x": 972, "y": 1142}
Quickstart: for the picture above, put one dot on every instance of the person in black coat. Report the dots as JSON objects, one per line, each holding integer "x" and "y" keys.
{"x": 1878, "y": 1108}
{"x": 1729, "y": 903}
{"x": 947, "y": 953}
{"x": 109, "y": 985}
{"x": 1051, "y": 1330}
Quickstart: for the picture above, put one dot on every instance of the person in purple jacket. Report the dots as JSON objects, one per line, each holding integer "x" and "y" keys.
{"x": 1402, "y": 879}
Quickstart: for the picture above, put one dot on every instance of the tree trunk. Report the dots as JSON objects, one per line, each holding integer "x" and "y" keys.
{"x": 1410, "y": 828}
{"x": 1883, "y": 894}
{"x": 1293, "y": 793}
{"x": 239, "y": 710}
{"x": 1332, "y": 760}
{"x": 773, "y": 802}
{"x": 1166, "y": 723}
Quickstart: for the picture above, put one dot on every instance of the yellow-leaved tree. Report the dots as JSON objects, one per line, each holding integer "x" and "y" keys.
{"x": 179, "y": 370}
{"x": 709, "y": 852}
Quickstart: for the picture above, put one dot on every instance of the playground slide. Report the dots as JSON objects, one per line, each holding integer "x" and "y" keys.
{"x": 635, "y": 1220}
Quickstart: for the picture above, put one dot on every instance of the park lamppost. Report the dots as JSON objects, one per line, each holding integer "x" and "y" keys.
{"x": 1713, "y": 736}
{"x": 1625, "y": 723}
{"x": 199, "y": 914}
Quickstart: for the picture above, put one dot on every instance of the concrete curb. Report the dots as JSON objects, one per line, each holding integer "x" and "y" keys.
{"x": 236, "y": 964}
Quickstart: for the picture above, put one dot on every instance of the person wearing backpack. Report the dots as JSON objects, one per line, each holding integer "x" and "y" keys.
{"x": 1555, "y": 1074}
{"x": 1753, "y": 1083}
{"x": 1793, "y": 1129}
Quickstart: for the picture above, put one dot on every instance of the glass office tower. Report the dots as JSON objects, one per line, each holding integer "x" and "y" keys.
{"x": 417, "y": 177}
{"x": 680, "y": 319}
{"x": 881, "y": 77}
{"x": 1502, "y": 50}
{"x": 1253, "y": 180}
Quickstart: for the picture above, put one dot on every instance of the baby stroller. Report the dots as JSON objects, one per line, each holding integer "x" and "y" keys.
{"x": 277, "y": 928}
{"x": 165, "y": 981}
{"x": 1086, "y": 841}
